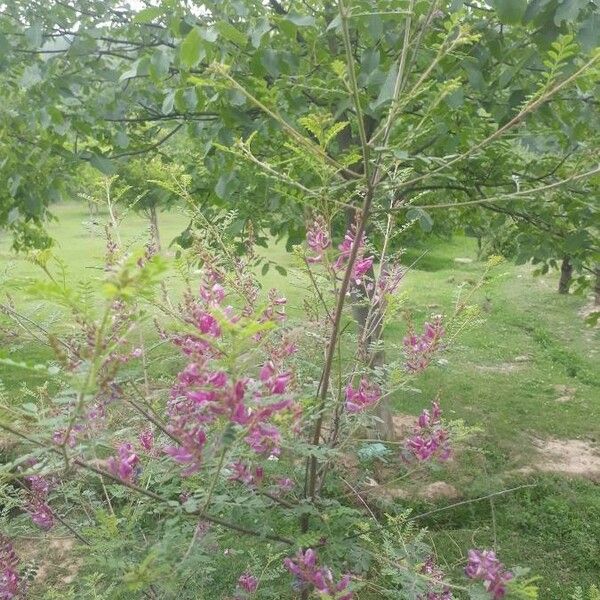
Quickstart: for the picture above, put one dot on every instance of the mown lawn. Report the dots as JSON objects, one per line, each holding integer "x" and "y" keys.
{"x": 528, "y": 372}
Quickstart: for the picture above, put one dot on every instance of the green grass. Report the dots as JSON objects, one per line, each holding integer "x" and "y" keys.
{"x": 553, "y": 527}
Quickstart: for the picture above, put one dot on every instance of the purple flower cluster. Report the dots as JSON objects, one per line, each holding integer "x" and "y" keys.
{"x": 317, "y": 239}
{"x": 388, "y": 282}
{"x": 37, "y": 506}
{"x": 362, "y": 263}
{"x": 436, "y": 590}
{"x": 366, "y": 395}
{"x": 124, "y": 464}
{"x": 203, "y": 393}
{"x": 304, "y": 566}
{"x": 274, "y": 379}
{"x": 146, "y": 439}
{"x": 419, "y": 349}
{"x": 247, "y": 582}
{"x": 244, "y": 474}
{"x": 430, "y": 438}
{"x": 485, "y": 566}
{"x": 11, "y": 585}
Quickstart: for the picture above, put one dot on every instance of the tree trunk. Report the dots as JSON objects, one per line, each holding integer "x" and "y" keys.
{"x": 566, "y": 276}
{"x": 154, "y": 227}
{"x": 597, "y": 286}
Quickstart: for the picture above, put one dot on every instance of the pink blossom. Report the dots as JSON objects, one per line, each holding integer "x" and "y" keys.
{"x": 304, "y": 566}
{"x": 212, "y": 295}
{"x": 285, "y": 485}
{"x": 275, "y": 381}
{"x": 361, "y": 265}
{"x": 317, "y": 239}
{"x": 366, "y": 395}
{"x": 264, "y": 438}
{"x": 190, "y": 454}
{"x": 248, "y": 582}
{"x": 484, "y": 565}
{"x": 41, "y": 514}
{"x": 136, "y": 353}
{"x": 435, "y": 588}
{"x": 146, "y": 439}
{"x": 419, "y": 349}
{"x": 430, "y": 439}
{"x": 208, "y": 325}
{"x": 11, "y": 585}
{"x": 123, "y": 466}
{"x": 244, "y": 474}
{"x": 275, "y": 309}
{"x": 39, "y": 511}
{"x": 58, "y": 437}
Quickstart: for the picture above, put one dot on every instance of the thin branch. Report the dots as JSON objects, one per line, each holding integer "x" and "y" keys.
{"x": 510, "y": 124}
{"x": 511, "y": 196}
{"x": 479, "y": 499}
{"x": 152, "y": 146}
{"x": 142, "y": 491}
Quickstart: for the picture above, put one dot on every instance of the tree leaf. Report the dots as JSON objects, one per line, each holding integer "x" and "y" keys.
{"x": 33, "y": 35}
{"x": 147, "y": 15}
{"x": 386, "y": 92}
{"x": 510, "y": 12}
{"x": 300, "y": 20}
{"x": 229, "y": 32}
{"x": 262, "y": 27}
{"x": 167, "y": 105}
{"x": 191, "y": 50}
{"x": 31, "y": 75}
{"x": 103, "y": 164}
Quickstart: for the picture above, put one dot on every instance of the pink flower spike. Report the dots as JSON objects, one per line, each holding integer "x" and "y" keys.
{"x": 483, "y": 565}
{"x": 366, "y": 395}
{"x": 146, "y": 439}
{"x": 123, "y": 467}
{"x": 248, "y": 582}
{"x": 317, "y": 239}
{"x": 41, "y": 514}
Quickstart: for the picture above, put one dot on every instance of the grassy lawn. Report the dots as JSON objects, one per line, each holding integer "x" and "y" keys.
{"x": 527, "y": 374}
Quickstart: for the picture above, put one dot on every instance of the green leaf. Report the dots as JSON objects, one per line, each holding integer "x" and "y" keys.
{"x": 270, "y": 61}
{"x": 510, "y": 12}
{"x": 225, "y": 185}
{"x": 424, "y": 218}
{"x": 568, "y": 10}
{"x": 31, "y": 75}
{"x": 103, "y": 164}
{"x": 33, "y": 35}
{"x": 167, "y": 105}
{"x": 335, "y": 23}
{"x": 230, "y": 33}
{"x": 161, "y": 61}
{"x": 386, "y": 92}
{"x": 300, "y": 20}
{"x": 259, "y": 31}
{"x": 191, "y": 51}
{"x": 147, "y": 15}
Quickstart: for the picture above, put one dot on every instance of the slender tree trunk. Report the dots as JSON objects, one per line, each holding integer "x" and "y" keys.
{"x": 154, "y": 226}
{"x": 566, "y": 276}
{"x": 597, "y": 286}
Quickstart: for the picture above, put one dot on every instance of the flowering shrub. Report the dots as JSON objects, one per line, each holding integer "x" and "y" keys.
{"x": 241, "y": 449}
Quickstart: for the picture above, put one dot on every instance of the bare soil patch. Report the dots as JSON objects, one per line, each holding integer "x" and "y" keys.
{"x": 568, "y": 457}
